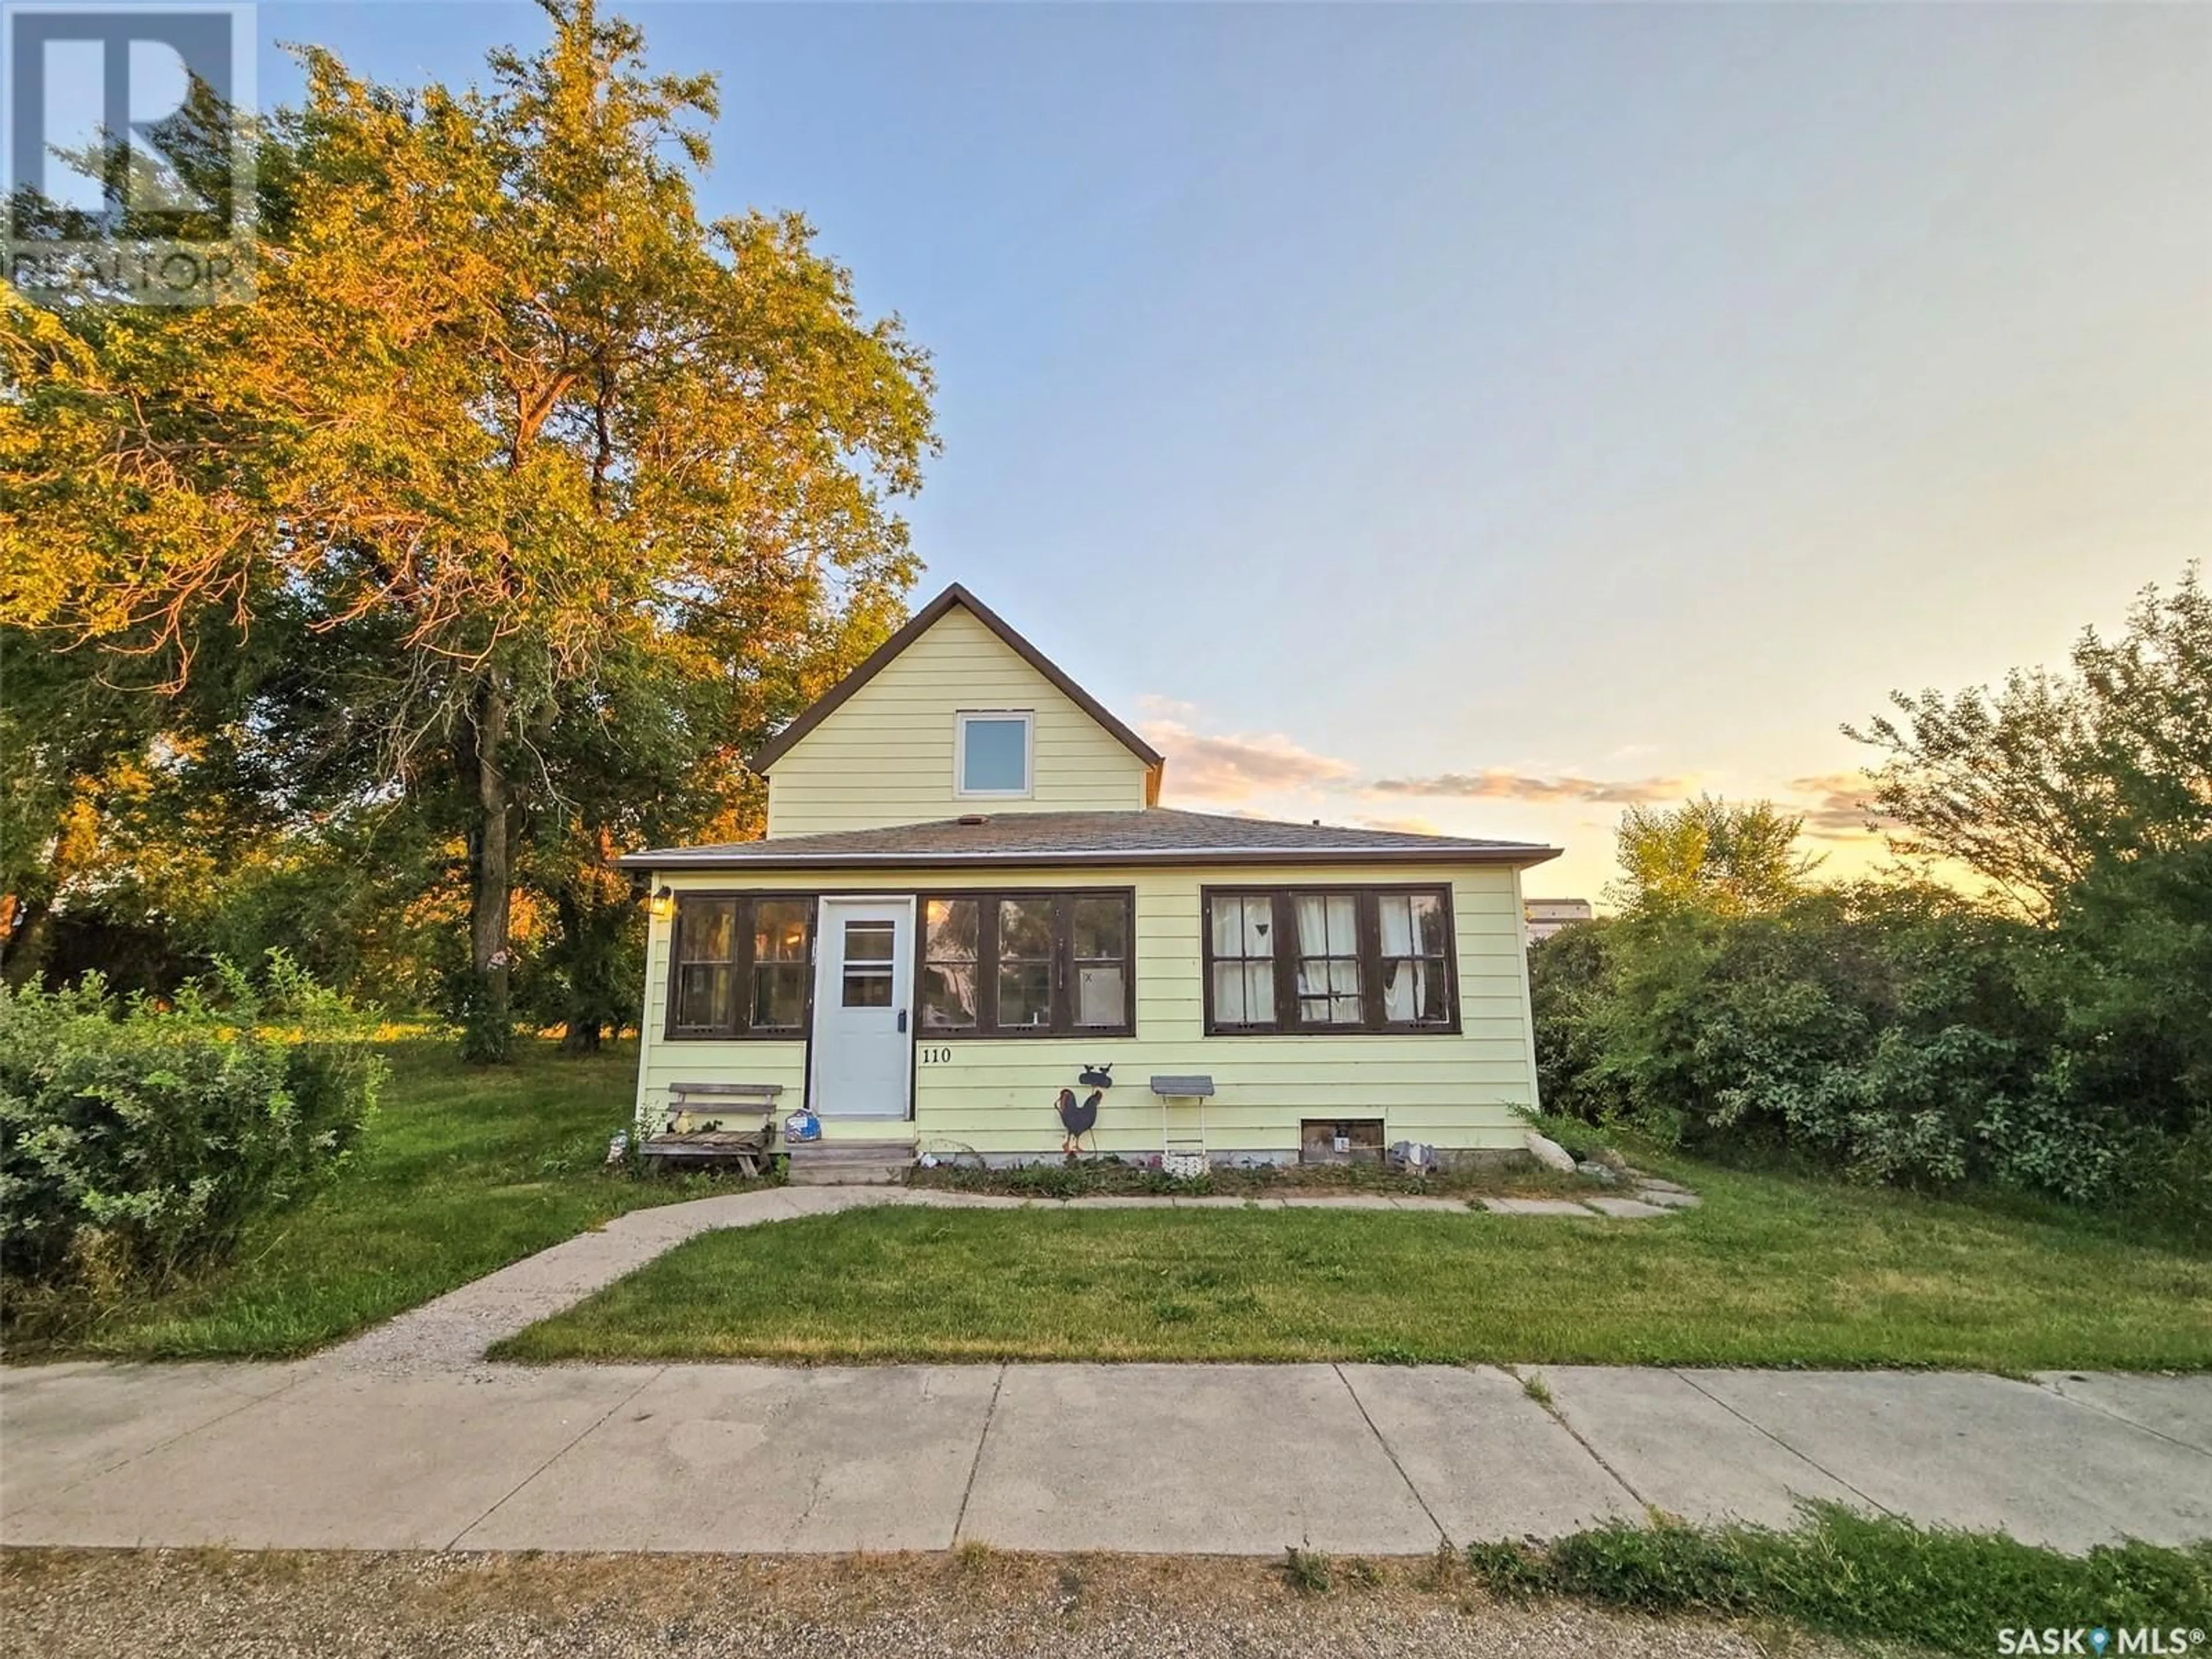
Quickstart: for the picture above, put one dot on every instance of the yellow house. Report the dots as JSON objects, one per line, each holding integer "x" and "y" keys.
{"x": 968, "y": 896}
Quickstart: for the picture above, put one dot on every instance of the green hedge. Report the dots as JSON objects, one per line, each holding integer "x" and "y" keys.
{"x": 138, "y": 1140}
{"x": 1904, "y": 1036}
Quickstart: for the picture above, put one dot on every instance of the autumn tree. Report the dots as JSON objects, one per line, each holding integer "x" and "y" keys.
{"x": 1708, "y": 854}
{"x": 529, "y": 440}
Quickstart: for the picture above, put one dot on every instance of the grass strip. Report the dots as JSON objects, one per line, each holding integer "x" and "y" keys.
{"x": 1867, "y": 1577}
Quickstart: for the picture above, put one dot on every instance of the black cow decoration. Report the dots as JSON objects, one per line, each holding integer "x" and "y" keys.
{"x": 1097, "y": 1076}
{"x": 1076, "y": 1117}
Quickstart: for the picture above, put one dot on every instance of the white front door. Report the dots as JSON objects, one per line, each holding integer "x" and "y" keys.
{"x": 862, "y": 1041}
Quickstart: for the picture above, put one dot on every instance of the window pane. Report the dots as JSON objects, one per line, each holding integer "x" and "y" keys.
{"x": 778, "y": 996}
{"x": 1429, "y": 924}
{"x": 1329, "y": 991}
{"x": 949, "y": 929}
{"x": 1025, "y": 930}
{"x": 1413, "y": 992}
{"x": 702, "y": 995}
{"x": 1243, "y": 925}
{"x": 868, "y": 987}
{"x": 869, "y": 941}
{"x": 780, "y": 930}
{"x": 1025, "y": 995}
{"x": 1260, "y": 992}
{"x": 1101, "y": 994}
{"x": 995, "y": 754}
{"x": 1243, "y": 993}
{"x": 1396, "y": 910}
{"x": 948, "y": 996}
{"x": 709, "y": 930}
{"x": 1102, "y": 928}
{"x": 949, "y": 976}
{"x": 1327, "y": 925}
{"x": 1329, "y": 963}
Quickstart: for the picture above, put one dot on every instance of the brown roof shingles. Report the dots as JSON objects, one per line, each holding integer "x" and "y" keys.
{"x": 1154, "y": 836}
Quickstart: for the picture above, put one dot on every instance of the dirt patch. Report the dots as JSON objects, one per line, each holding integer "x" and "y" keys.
{"x": 64, "y": 1604}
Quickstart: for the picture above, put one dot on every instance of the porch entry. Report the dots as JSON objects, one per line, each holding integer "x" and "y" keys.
{"x": 863, "y": 1002}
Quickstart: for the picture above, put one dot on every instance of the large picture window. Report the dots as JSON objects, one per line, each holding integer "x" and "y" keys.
{"x": 1027, "y": 964}
{"x": 740, "y": 965}
{"x": 1328, "y": 959}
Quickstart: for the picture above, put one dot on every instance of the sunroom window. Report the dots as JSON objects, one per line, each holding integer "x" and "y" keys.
{"x": 1328, "y": 959}
{"x": 1029, "y": 963}
{"x": 740, "y": 965}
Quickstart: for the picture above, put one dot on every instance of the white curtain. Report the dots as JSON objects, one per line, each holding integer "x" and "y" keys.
{"x": 1244, "y": 990}
{"x": 1328, "y": 928}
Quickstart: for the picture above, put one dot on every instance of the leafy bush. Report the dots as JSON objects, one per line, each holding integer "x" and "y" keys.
{"x": 1904, "y": 1035}
{"x": 138, "y": 1140}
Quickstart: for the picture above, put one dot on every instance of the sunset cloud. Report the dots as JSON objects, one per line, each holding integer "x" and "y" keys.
{"x": 1842, "y": 805}
{"x": 1415, "y": 825}
{"x": 1204, "y": 766}
{"x": 1500, "y": 783}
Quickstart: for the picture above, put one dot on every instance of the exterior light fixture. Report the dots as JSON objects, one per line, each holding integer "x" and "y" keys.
{"x": 664, "y": 903}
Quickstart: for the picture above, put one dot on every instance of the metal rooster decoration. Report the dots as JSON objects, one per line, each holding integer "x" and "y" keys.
{"x": 1078, "y": 1117}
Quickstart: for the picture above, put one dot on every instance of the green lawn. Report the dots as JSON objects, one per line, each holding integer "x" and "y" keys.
{"x": 1771, "y": 1271}
{"x": 462, "y": 1171}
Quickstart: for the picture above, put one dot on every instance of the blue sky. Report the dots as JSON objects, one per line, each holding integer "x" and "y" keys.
{"x": 1547, "y": 406}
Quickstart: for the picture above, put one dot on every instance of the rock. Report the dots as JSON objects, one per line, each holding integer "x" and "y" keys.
{"x": 1548, "y": 1153}
{"x": 1597, "y": 1172}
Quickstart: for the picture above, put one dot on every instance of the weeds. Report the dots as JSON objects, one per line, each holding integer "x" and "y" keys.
{"x": 1857, "y": 1576}
{"x": 1096, "y": 1177}
{"x": 1307, "y": 1570}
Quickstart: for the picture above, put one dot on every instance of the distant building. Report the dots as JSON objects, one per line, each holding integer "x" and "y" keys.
{"x": 1545, "y": 917}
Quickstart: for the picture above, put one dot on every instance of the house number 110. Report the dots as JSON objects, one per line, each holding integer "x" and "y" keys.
{"x": 936, "y": 1053}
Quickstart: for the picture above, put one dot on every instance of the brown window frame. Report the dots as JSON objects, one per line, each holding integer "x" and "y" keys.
{"x": 739, "y": 1027}
{"x": 1289, "y": 1021}
{"x": 1061, "y": 1025}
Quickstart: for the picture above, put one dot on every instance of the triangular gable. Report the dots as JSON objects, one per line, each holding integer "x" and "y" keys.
{"x": 921, "y": 621}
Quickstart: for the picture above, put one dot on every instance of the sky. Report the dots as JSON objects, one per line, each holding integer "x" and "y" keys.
{"x": 1486, "y": 417}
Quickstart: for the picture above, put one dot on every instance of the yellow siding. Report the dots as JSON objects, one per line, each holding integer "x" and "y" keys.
{"x": 1456, "y": 1091}
{"x": 885, "y": 756}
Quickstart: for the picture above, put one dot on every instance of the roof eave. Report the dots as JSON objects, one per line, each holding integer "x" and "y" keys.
{"x": 679, "y": 859}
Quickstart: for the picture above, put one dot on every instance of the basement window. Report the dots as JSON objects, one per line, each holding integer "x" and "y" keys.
{"x": 1340, "y": 1140}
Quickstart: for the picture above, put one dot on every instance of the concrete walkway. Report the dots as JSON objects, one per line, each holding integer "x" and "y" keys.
{"x": 407, "y": 1438}
{"x": 1196, "y": 1459}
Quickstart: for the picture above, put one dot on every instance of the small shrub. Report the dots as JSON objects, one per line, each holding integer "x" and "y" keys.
{"x": 137, "y": 1141}
{"x": 1307, "y": 1570}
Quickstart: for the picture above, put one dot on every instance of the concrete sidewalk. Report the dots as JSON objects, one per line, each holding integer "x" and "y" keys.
{"x": 1200, "y": 1459}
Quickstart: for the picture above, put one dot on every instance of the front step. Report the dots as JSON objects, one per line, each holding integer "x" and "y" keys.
{"x": 850, "y": 1162}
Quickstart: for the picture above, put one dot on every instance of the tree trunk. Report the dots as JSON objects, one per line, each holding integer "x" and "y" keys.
{"x": 26, "y": 934}
{"x": 488, "y": 1032}
{"x": 580, "y": 948}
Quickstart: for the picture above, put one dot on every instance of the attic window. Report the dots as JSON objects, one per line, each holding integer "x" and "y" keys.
{"x": 992, "y": 752}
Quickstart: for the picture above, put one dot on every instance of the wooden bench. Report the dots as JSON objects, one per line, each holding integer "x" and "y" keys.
{"x": 750, "y": 1149}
